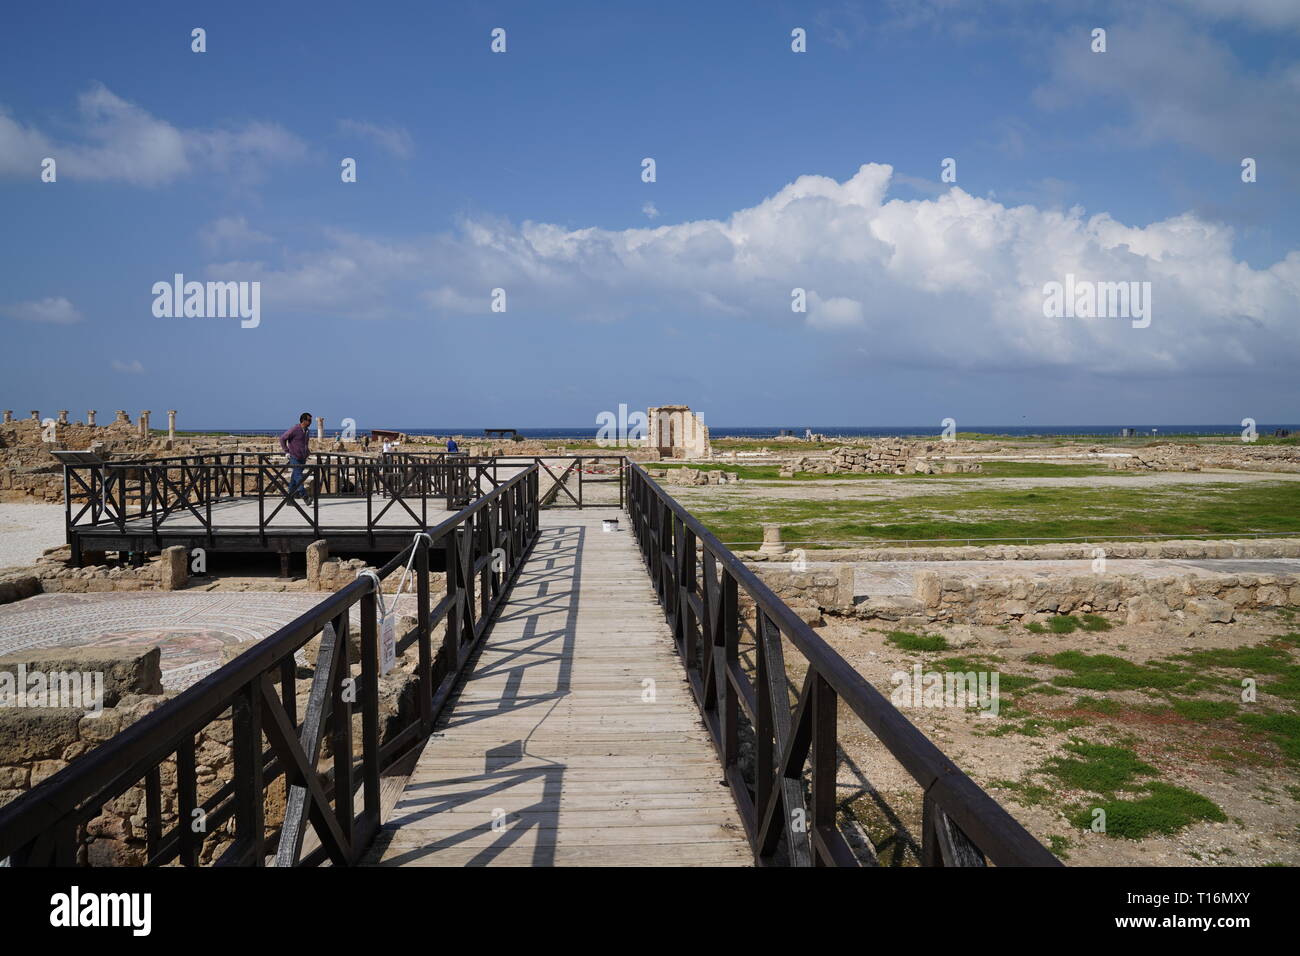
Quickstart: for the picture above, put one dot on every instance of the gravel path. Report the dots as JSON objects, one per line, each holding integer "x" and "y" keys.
{"x": 28, "y": 529}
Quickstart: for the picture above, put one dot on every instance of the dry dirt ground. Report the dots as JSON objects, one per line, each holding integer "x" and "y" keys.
{"x": 28, "y": 529}
{"x": 1248, "y": 775}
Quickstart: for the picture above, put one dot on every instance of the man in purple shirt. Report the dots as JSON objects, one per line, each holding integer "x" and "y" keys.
{"x": 295, "y": 444}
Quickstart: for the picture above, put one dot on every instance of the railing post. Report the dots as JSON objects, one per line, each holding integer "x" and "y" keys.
{"x": 246, "y": 717}
{"x": 729, "y": 702}
{"x": 451, "y": 632}
{"x": 424, "y": 669}
{"x": 824, "y": 761}
{"x": 341, "y": 715}
{"x": 369, "y": 723}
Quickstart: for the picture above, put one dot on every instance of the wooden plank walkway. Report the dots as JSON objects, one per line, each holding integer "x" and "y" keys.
{"x": 554, "y": 753}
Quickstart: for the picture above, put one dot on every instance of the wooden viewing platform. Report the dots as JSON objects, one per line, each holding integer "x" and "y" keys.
{"x": 555, "y": 752}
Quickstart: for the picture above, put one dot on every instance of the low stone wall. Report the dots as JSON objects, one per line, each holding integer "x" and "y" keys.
{"x": 692, "y": 476}
{"x": 168, "y": 571}
{"x": 1069, "y": 551}
{"x": 885, "y": 458}
{"x": 961, "y": 598}
{"x": 36, "y": 743}
{"x": 15, "y": 586}
{"x": 1238, "y": 456}
{"x": 822, "y": 587}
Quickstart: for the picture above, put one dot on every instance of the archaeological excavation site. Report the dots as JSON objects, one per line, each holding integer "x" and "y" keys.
{"x": 859, "y": 435}
{"x": 1078, "y": 624}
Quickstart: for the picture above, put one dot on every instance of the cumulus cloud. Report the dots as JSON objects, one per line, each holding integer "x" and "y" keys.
{"x": 118, "y": 141}
{"x": 55, "y": 311}
{"x": 395, "y": 139}
{"x": 953, "y": 281}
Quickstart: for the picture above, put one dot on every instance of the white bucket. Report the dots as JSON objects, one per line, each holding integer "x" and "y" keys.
{"x": 608, "y": 524}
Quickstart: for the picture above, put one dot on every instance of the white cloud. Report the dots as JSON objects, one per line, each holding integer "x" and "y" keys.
{"x": 834, "y": 313}
{"x": 953, "y": 281}
{"x": 649, "y": 210}
{"x": 1169, "y": 82}
{"x": 56, "y": 311}
{"x": 1265, "y": 13}
{"x": 230, "y": 232}
{"x": 395, "y": 139}
{"x": 132, "y": 367}
{"x": 117, "y": 141}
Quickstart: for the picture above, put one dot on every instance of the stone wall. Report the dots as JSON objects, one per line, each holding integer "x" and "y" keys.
{"x": 962, "y": 598}
{"x": 825, "y": 587}
{"x": 1065, "y": 551}
{"x": 36, "y": 743}
{"x": 1243, "y": 456}
{"x": 168, "y": 571}
{"x": 692, "y": 476}
{"x": 885, "y": 458}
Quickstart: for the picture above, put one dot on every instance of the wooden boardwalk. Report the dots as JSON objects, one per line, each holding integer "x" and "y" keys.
{"x": 560, "y": 750}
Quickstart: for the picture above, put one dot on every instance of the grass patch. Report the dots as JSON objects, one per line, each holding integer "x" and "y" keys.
{"x": 1213, "y": 508}
{"x": 1281, "y": 729}
{"x": 1107, "y": 672}
{"x": 1164, "y": 809}
{"x": 1097, "y": 705}
{"x": 917, "y": 642}
{"x": 1202, "y": 710}
{"x": 1097, "y": 768}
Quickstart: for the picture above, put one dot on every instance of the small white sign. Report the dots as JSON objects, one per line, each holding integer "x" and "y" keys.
{"x": 388, "y": 643}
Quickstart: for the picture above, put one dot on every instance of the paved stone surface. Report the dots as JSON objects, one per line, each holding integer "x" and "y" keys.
{"x": 191, "y": 628}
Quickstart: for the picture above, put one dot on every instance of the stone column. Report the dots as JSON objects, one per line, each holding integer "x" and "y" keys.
{"x": 772, "y": 543}
{"x": 171, "y": 424}
{"x": 63, "y": 416}
{"x": 90, "y": 418}
{"x": 9, "y": 415}
{"x": 320, "y": 428}
{"x": 144, "y": 423}
{"x": 36, "y": 415}
{"x": 122, "y": 417}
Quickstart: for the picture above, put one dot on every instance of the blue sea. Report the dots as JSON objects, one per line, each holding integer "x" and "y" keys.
{"x": 589, "y": 432}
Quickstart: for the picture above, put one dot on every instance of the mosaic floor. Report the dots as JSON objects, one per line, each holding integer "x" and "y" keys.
{"x": 191, "y": 628}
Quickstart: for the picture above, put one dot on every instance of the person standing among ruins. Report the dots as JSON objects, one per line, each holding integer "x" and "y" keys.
{"x": 297, "y": 445}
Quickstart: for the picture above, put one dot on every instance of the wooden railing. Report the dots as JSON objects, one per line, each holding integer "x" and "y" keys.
{"x": 121, "y": 493}
{"x": 484, "y": 546}
{"x": 784, "y": 806}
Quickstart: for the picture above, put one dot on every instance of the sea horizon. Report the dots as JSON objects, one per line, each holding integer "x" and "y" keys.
{"x": 833, "y": 431}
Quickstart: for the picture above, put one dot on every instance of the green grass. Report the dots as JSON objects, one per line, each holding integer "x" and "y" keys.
{"x": 1097, "y": 768}
{"x": 1215, "y": 508}
{"x": 1105, "y": 672}
{"x": 1203, "y": 710}
{"x": 1165, "y": 809}
{"x": 1098, "y": 705}
{"x": 917, "y": 642}
{"x": 1281, "y": 729}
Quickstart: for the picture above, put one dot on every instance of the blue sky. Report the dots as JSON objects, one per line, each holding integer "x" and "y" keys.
{"x": 775, "y": 170}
